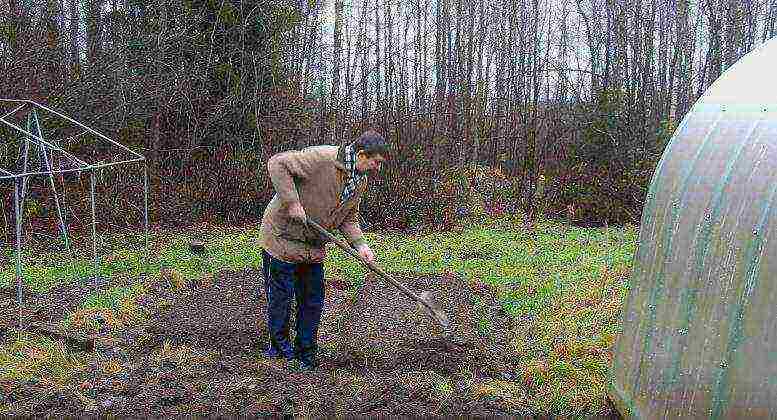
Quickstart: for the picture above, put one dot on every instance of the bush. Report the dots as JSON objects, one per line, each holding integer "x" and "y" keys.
{"x": 609, "y": 170}
{"x": 604, "y": 178}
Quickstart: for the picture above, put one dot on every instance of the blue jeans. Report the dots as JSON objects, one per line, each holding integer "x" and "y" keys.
{"x": 306, "y": 283}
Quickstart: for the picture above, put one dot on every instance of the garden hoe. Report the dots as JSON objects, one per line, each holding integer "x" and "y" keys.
{"x": 424, "y": 298}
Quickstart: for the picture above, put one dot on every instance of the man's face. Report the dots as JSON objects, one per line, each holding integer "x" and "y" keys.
{"x": 364, "y": 163}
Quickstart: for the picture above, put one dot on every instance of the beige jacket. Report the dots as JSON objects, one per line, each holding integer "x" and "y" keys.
{"x": 314, "y": 176}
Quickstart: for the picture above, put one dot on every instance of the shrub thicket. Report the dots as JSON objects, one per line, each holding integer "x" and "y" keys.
{"x": 602, "y": 177}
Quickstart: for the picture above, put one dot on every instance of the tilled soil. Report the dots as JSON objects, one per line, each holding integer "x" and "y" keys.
{"x": 200, "y": 352}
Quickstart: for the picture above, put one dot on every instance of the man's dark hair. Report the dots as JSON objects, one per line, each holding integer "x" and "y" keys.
{"x": 372, "y": 143}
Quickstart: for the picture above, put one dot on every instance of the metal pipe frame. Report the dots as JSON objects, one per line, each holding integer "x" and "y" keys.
{"x": 26, "y": 161}
{"x": 94, "y": 229}
{"x": 44, "y": 142}
{"x": 138, "y": 155}
{"x": 43, "y": 152}
{"x": 83, "y": 165}
{"x": 20, "y": 181}
{"x": 14, "y": 111}
{"x": 86, "y": 168}
{"x": 145, "y": 209}
{"x": 18, "y": 221}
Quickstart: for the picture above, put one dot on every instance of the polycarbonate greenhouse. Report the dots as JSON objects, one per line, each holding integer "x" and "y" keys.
{"x": 700, "y": 322}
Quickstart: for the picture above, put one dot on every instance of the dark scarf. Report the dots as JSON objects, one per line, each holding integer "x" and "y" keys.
{"x": 354, "y": 176}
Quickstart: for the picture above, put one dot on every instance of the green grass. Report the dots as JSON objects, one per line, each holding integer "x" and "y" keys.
{"x": 548, "y": 262}
{"x": 564, "y": 284}
{"x": 536, "y": 268}
{"x": 111, "y": 298}
{"x": 227, "y": 251}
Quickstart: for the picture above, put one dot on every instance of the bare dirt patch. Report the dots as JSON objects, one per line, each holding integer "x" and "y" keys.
{"x": 200, "y": 352}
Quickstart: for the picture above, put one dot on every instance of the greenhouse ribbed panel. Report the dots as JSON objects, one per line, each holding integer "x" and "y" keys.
{"x": 699, "y": 333}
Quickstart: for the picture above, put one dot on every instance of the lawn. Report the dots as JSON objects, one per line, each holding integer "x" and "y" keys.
{"x": 563, "y": 285}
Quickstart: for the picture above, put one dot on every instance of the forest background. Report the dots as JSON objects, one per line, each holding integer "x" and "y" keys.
{"x": 572, "y": 101}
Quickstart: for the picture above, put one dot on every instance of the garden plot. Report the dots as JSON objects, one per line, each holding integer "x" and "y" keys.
{"x": 199, "y": 351}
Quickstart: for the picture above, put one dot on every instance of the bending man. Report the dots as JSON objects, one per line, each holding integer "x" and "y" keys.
{"x": 326, "y": 184}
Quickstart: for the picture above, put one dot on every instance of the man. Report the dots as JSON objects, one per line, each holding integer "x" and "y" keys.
{"x": 326, "y": 184}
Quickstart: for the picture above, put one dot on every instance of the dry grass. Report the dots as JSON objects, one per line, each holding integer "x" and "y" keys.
{"x": 31, "y": 357}
{"x": 506, "y": 393}
{"x": 182, "y": 356}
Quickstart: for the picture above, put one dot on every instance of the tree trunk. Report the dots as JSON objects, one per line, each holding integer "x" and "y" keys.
{"x": 338, "y": 50}
{"x": 349, "y": 66}
{"x": 379, "y": 102}
{"x": 770, "y": 29}
{"x": 681, "y": 29}
{"x": 530, "y": 167}
{"x": 52, "y": 57}
{"x": 94, "y": 27}
{"x": 75, "y": 18}
{"x": 440, "y": 52}
{"x": 609, "y": 72}
{"x": 362, "y": 46}
{"x": 468, "y": 86}
{"x": 563, "y": 80}
{"x": 481, "y": 89}
{"x": 389, "y": 53}
{"x": 646, "y": 90}
{"x": 733, "y": 35}
{"x": 715, "y": 52}
{"x": 404, "y": 87}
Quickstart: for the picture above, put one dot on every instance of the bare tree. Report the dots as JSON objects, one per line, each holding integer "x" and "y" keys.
{"x": 389, "y": 57}
{"x": 52, "y": 33}
{"x": 561, "y": 63}
{"x": 404, "y": 58}
{"x": 508, "y": 77}
{"x": 466, "y": 108}
{"x": 480, "y": 84}
{"x": 441, "y": 48}
{"x": 75, "y": 18}
{"x": 418, "y": 52}
{"x": 313, "y": 40}
{"x": 94, "y": 29}
{"x": 362, "y": 47}
{"x": 338, "y": 47}
{"x": 349, "y": 65}
{"x": 683, "y": 59}
{"x": 378, "y": 60}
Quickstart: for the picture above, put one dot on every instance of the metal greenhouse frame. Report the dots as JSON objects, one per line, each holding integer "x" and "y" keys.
{"x": 33, "y": 135}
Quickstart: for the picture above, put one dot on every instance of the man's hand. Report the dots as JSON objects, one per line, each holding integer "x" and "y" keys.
{"x": 365, "y": 251}
{"x": 297, "y": 213}
{"x": 318, "y": 254}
